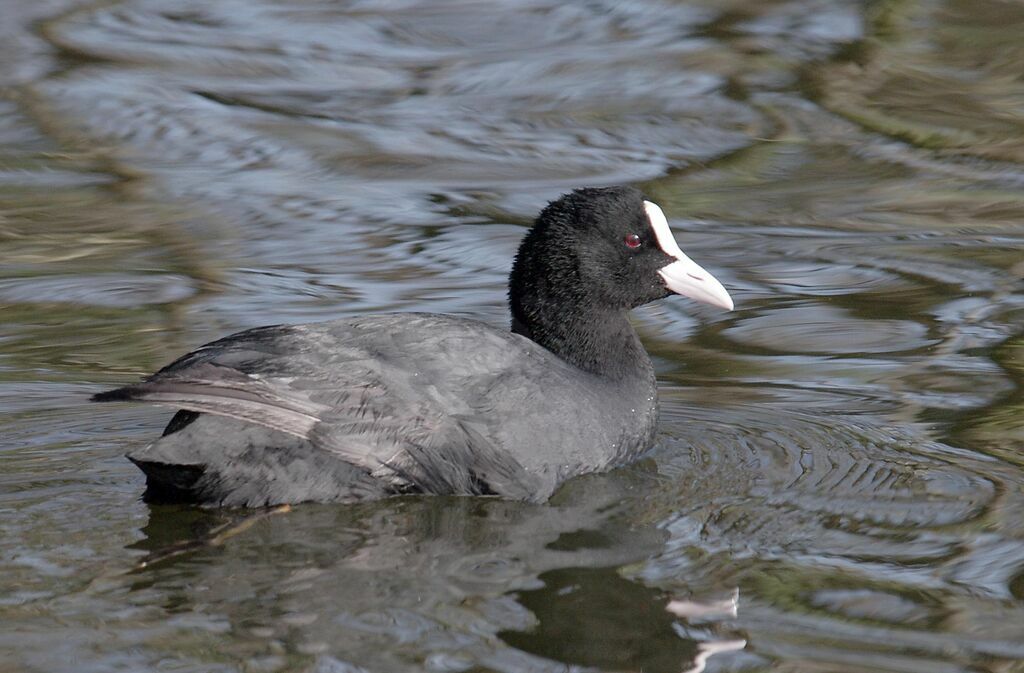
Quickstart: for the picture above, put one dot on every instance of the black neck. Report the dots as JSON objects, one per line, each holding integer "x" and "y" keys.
{"x": 600, "y": 341}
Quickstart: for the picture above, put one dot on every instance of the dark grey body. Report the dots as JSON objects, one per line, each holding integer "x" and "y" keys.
{"x": 421, "y": 403}
{"x": 368, "y": 407}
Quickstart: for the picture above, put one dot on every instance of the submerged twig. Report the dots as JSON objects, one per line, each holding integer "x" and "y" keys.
{"x": 216, "y": 537}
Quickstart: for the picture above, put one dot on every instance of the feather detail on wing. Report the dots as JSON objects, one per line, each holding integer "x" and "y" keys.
{"x": 385, "y": 424}
{"x": 210, "y": 388}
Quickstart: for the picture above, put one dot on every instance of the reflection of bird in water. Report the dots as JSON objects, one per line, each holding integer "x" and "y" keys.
{"x": 388, "y": 572}
{"x": 595, "y": 617}
{"x": 706, "y": 650}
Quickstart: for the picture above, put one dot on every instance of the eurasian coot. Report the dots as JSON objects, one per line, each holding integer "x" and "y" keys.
{"x": 368, "y": 407}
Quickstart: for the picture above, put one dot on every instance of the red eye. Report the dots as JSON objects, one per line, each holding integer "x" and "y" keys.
{"x": 632, "y": 241}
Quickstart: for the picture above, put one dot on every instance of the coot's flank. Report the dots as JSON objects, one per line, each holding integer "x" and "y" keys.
{"x": 381, "y": 405}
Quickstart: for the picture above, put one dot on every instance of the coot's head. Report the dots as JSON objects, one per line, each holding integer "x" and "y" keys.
{"x": 602, "y": 249}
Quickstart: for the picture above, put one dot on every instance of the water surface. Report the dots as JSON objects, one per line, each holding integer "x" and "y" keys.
{"x": 842, "y": 457}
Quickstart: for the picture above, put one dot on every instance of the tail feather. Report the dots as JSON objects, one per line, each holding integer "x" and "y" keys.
{"x": 169, "y": 483}
{"x": 125, "y": 394}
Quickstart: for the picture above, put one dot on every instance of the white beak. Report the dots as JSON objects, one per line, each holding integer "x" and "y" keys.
{"x": 684, "y": 276}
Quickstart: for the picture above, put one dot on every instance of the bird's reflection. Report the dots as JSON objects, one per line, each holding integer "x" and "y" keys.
{"x": 355, "y": 580}
{"x": 595, "y": 617}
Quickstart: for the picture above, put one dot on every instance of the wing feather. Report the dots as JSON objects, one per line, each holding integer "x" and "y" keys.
{"x": 343, "y": 398}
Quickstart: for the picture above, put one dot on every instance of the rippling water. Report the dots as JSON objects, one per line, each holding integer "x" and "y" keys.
{"x": 838, "y": 481}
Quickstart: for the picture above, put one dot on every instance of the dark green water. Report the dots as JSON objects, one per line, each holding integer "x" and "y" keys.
{"x": 844, "y": 453}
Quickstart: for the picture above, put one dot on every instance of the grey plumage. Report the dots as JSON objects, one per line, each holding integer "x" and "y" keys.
{"x": 358, "y": 403}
